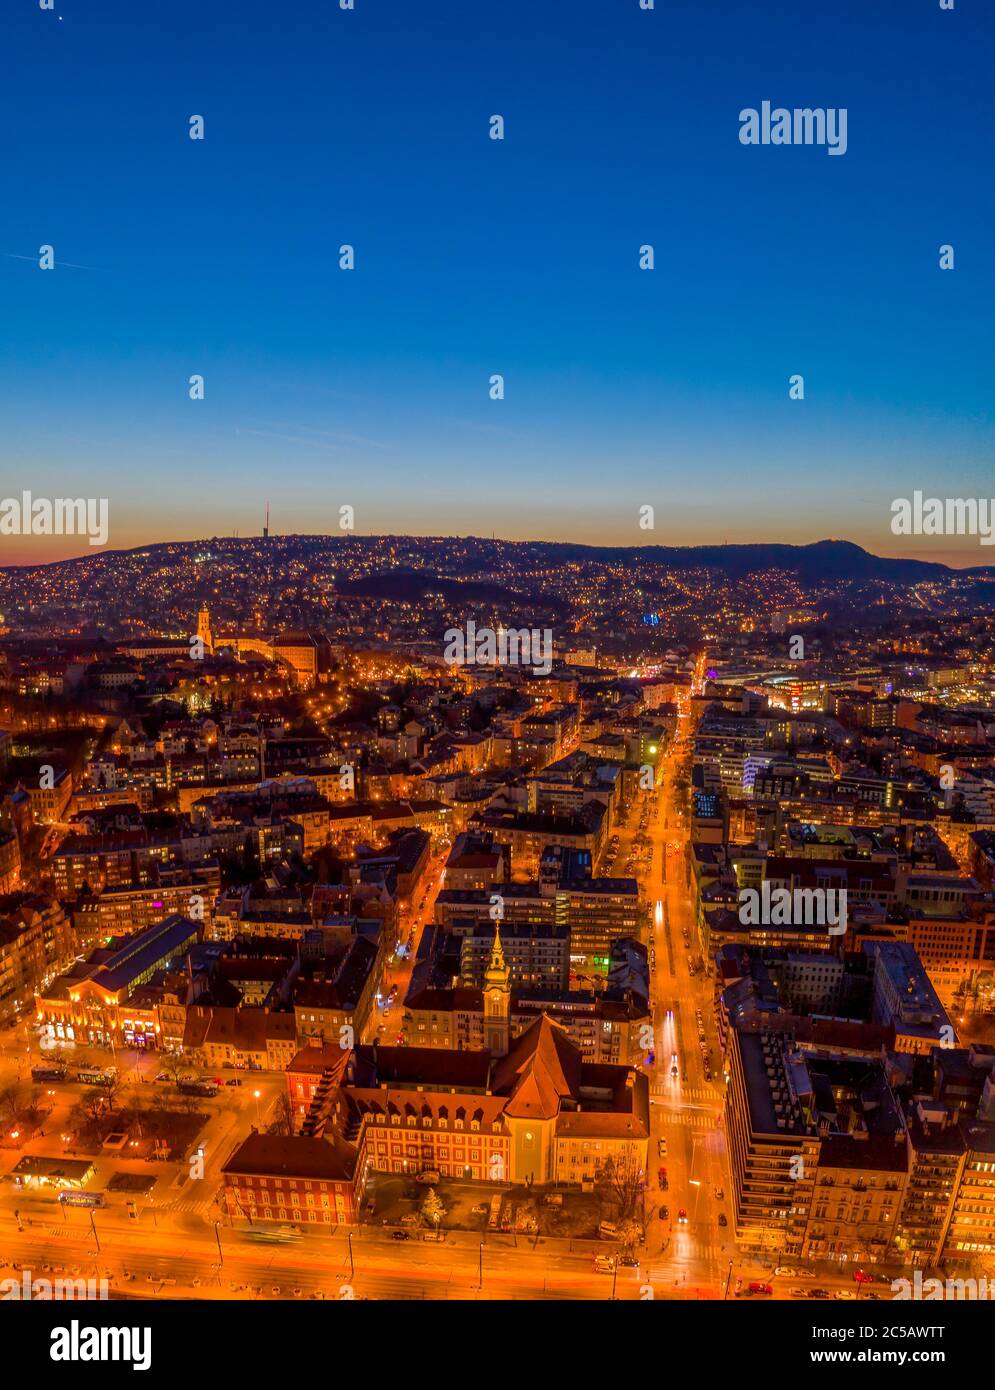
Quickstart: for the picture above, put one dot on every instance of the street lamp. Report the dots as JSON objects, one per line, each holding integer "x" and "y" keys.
{"x": 257, "y": 1095}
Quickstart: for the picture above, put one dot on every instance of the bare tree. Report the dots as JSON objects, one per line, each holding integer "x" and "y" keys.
{"x": 283, "y": 1115}
{"x": 9, "y": 1103}
{"x": 623, "y": 1187}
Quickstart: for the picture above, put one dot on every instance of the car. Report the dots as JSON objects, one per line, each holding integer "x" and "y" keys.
{"x": 411, "y": 1219}
{"x": 661, "y": 1173}
{"x": 275, "y": 1290}
{"x": 723, "y": 1221}
{"x": 628, "y": 1262}
{"x": 818, "y": 1293}
{"x": 298, "y": 1293}
{"x": 430, "y": 1175}
{"x": 759, "y": 1287}
{"x": 479, "y": 1210}
{"x": 785, "y": 1272}
{"x": 719, "y": 1194}
{"x": 844, "y": 1293}
{"x": 798, "y": 1293}
{"x": 664, "y": 1213}
{"x": 682, "y": 1217}
{"x": 877, "y": 1297}
{"x": 661, "y": 1148}
{"x": 604, "y": 1264}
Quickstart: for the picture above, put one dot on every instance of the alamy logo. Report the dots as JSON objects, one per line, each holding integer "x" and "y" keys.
{"x": 929, "y": 1290}
{"x": 804, "y": 125}
{"x": 76, "y": 1343}
{"x": 54, "y": 516}
{"x": 944, "y": 516}
{"x": 798, "y": 907}
{"x": 28, "y": 1289}
{"x": 506, "y": 646}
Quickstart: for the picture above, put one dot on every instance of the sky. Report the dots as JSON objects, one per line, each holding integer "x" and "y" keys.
{"x": 623, "y": 388}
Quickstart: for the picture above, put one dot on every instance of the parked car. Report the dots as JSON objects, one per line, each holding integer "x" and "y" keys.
{"x": 723, "y": 1221}
{"x": 664, "y": 1213}
{"x": 400, "y": 1235}
{"x": 430, "y": 1175}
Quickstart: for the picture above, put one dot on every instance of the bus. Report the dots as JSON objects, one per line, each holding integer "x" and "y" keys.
{"x": 96, "y": 1077}
{"x": 48, "y": 1073}
{"x": 82, "y": 1199}
{"x": 267, "y": 1235}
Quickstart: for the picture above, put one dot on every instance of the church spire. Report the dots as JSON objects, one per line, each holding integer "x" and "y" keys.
{"x": 497, "y": 970}
{"x": 497, "y": 999}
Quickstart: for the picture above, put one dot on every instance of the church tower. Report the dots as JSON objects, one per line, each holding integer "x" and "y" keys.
{"x": 497, "y": 999}
{"x": 204, "y": 628}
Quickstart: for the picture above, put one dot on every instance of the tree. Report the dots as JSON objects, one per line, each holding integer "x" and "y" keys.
{"x": 623, "y": 1187}
{"x": 432, "y": 1209}
{"x": 283, "y": 1115}
{"x": 93, "y": 1103}
{"x": 9, "y": 1103}
{"x": 175, "y": 1065}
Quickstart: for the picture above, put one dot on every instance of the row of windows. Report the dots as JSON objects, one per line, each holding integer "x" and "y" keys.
{"x": 429, "y": 1120}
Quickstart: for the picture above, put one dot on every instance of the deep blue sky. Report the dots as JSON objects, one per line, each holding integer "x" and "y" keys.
{"x": 475, "y": 257}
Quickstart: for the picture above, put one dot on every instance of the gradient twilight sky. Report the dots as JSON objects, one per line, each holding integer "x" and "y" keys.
{"x": 475, "y": 257}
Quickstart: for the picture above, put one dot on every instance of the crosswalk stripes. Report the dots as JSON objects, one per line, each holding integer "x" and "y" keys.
{"x": 702, "y": 1254}
{"x": 688, "y": 1094}
{"x": 690, "y": 1119}
{"x": 188, "y": 1204}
